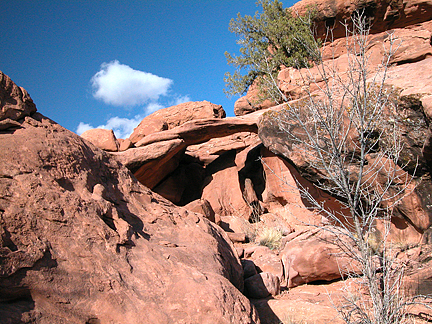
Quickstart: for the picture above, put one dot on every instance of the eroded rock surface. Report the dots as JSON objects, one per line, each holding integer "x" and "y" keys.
{"x": 15, "y": 103}
{"x": 168, "y": 118}
{"x": 318, "y": 254}
{"x": 102, "y": 138}
{"x": 82, "y": 241}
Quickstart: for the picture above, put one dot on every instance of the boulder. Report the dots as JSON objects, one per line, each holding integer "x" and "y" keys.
{"x": 271, "y": 220}
{"x": 235, "y": 224}
{"x": 410, "y": 98}
{"x": 318, "y": 254}
{"x": 147, "y": 127}
{"x": 266, "y": 260}
{"x": 178, "y": 115}
{"x": 82, "y": 241}
{"x": 262, "y": 285}
{"x": 15, "y": 103}
{"x": 159, "y": 154}
{"x": 222, "y": 188}
{"x": 102, "y": 138}
{"x": 152, "y": 163}
{"x": 203, "y": 207}
{"x": 237, "y": 237}
{"x": 283, "y": 189}
{"x": 184, "y": 184}
{"x": 200, "y": 131}
{"x": 209, "y": 151}
{"x": 124, "y": 144}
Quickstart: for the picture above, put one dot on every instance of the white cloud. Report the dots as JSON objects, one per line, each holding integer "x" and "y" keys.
{"x": 152, "y": 107}
{"x": 122, "y": 127}
{"x": 181, "y": 99}
{"x": 82, "y": 127}
{"x": 119, "y": 85}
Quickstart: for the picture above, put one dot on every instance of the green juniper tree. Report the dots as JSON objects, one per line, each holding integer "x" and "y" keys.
{"x": 270, "y": 39}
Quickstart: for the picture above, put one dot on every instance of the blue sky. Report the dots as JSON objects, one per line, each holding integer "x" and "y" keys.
{"x": 109, "y": 63}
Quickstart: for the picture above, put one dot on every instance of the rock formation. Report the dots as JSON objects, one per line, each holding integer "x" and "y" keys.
{"x": 102, "y": 138}
{"x": 83, "y": 241}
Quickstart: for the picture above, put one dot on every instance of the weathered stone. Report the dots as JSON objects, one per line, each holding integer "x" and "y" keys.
{"x": 251, "y": 102}
{"x": 383, "y": 15}
{"x": 177, "y": 115}
{"x": 262, "y": 285}
{"x": 124, "y": 144}
{"x": 147, "y": 127}
{"x": 15, "y": 102}
{"x": 209, "y": 151}
{"x": 184, "y": 184}
{"x": 318, "y": 254}
{"x": 235, "y": 224}
{"x": 82, "y": 241}
{"x": 102, "y": 138}
{"x": 152, "y": 163}
{"x": 203, "y": 207}
{"x": 222, "y": 188}
{"x": 200, "y": 131}
{"x": 237, "y": 237}
{"x": 268, "y": 261}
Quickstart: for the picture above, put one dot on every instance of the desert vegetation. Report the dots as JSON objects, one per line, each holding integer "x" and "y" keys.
{"x": 347, "y": 130}
{"x": 268, "y": 40}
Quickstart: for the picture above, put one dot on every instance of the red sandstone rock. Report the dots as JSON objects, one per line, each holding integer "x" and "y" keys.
{"x": 262, "y": 285}
{"x": 249, "y": 268}
{"x": 235, "y": 224}
{"x": 124, "y": 144}
{"x": 200, "y": 131}
{"x": 209, "y": 151}
{"x": 203, "y": 207}
{"x": 82, "y": 241}
{"x": 159, "y": 154}
{"x": 147, "y": 127}
{"x": 303, "y": 303}
{"x": 316, "y": 255}
{"x": 15, "y": 102}
{"x": 282, "y": 194}
{"x": 222, "y": 190}
{"x": 237, "y": 237}
{"x": 183, "y": 185}
{"x": 251, "y": 102}
{"x": 270, "y": 220}
{"x": 152, "y": 163}
{"x": 102, "y": 138}
{"x": 268, "y": 261}
{"x": 177, "y": 115}
{"x": 383, "y": 15}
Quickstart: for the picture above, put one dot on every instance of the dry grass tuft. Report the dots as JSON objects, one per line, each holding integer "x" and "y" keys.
{"x": 270, "y": 237}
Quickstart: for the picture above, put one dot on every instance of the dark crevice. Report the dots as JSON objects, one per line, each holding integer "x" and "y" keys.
{"x": 65, "y": 184}
{"x": 7, "y": 241}
{"x": 414, "y": 59}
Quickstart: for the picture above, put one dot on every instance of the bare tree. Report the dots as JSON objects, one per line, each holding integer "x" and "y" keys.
{"x": 346, "y": 130}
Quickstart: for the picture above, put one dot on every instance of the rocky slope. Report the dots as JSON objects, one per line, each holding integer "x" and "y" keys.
{"x": 82, "y": 241}
{"x": 150, "y": 229}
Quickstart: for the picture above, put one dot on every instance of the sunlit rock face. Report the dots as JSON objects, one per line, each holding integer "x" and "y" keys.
{"x": 83, "y": 241}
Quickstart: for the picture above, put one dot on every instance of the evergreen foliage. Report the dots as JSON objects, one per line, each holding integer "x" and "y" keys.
{"x": 268, "y": 40}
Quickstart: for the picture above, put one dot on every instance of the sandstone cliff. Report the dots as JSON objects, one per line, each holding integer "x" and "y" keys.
{"x": 150, "y": 229}
{"x": 82, "y": 241}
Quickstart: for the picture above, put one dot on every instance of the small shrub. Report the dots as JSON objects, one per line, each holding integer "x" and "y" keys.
{"x": 270, "y": 237}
